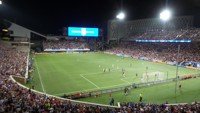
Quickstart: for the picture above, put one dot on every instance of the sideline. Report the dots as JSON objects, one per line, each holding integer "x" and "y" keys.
{"x": 40, "y": 76}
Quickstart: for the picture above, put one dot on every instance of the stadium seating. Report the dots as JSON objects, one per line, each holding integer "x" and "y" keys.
{"x": 159, "y": 51}
{"x": 54, "y": 44}
{"x": 13, "y": 62}
{"x": 15, "y": 99}
{"x": 160, "y": 34}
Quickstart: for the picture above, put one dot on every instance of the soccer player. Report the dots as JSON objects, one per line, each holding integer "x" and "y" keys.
{"x": 112, "y": 102}
{"x": 140, "y": 97}
{"x": 112, "y": 65}
{"x": 110, "y": 94}
{"x": 179, "y": 86}
{"x": 146, "y": 68}
{"x": 123, "y": 73}
{"x": 155, "y": 77}
{"x": 125, "y": 91}
{"x": 104, "y": 70}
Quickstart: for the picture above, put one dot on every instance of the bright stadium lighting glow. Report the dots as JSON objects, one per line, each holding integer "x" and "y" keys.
{"x": 0, "y": 2}
{"x": 165, "y": 15}
{"x": 120, "y": 16}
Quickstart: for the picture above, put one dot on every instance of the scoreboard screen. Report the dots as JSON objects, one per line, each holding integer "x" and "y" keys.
{"x": 83, "y": 31}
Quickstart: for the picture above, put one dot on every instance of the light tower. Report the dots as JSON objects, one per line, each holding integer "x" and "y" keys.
{"x": 165, "y": 15}
{"x": 121, "y": 14}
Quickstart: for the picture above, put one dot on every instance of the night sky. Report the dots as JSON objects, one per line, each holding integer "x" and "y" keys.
{"x": 49, "y": 16}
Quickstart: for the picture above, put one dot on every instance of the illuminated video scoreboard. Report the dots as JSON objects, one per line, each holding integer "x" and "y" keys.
{"x": 83, "y": 32}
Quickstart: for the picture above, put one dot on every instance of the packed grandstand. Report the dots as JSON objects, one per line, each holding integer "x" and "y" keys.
{"x": 14, "y": 98}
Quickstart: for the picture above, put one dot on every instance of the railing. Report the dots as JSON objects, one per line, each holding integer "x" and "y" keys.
{"x": 26, "y": 74}
{"x": 72, "y": 101}
{"x": 105, "y": 91}
{"x": 131, "y": 86}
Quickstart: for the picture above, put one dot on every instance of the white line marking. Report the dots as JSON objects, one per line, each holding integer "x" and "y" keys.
{"x": 93, "y": 73}
{"x": 40, "y": 76}
{"x": 90, "y": 81}
{"x": 98, "y": 72}
{"x": 89, "y": 89}
{"x": 125, "y": 81}
{"x": 112, "y": 70}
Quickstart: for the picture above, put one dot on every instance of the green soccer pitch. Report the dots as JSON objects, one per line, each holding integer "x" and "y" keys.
{"x": 59, "y": 74}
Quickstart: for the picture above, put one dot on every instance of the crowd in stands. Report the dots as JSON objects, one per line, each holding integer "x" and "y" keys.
{"x": 64, "y": 44}
{"x": 16, "y": 99}
{"x": 12, "y": 61}
{"x": 159, "y": 51}
{"x": 132, "y": 107}
{"x": 160, "y": 34}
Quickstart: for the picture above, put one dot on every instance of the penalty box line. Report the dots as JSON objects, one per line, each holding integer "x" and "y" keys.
{"x": 97, "y": 87}
{"x": 90, "y": 81}
{"x": 112, "y": 70}
{"x": 82, "y": 75}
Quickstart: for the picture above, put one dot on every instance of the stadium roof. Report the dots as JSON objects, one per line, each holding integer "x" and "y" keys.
{"x": 47, "y": 16}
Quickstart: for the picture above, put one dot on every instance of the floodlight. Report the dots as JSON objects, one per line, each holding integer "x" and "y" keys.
{"x": 165, "y": 15}
{"x": 120, "y": 16}
{"x": 0, "y": 2}
{"x": 5, "y": 30}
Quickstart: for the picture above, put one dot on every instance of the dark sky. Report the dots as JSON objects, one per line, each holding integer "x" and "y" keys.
{"x": 49, "y": 16}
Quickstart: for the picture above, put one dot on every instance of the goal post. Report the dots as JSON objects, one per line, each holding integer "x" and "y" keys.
{"x": 153, "y": 76}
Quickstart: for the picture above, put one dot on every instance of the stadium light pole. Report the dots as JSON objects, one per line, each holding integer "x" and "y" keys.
{"x": 165, "y": 15}
{"x": 121, "y": 14}
{"x": 177, "y": 59}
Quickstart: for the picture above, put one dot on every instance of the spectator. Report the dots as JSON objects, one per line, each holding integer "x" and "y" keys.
{"x": 112, "y": 102}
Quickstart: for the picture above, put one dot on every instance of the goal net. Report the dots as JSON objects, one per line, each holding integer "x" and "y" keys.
{"x": 152, "y": 76}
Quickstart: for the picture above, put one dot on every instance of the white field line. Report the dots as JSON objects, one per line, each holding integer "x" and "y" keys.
{"x": 99, "y": 72}
{"x": 90, "y": 89}
{"x": 82, "y": 75}
{"x": 90, "y": 81}
{"x": 125, "y": 81}
{"x": 40, "y": 76}
{"x": 92, "y": 73}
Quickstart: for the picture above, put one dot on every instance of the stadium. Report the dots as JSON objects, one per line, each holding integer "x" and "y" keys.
{"x": 144, "y": 65}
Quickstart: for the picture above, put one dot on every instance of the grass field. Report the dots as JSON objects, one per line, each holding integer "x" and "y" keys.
{"x": 59, "y": 74}
{"x": 157, "y": 94}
